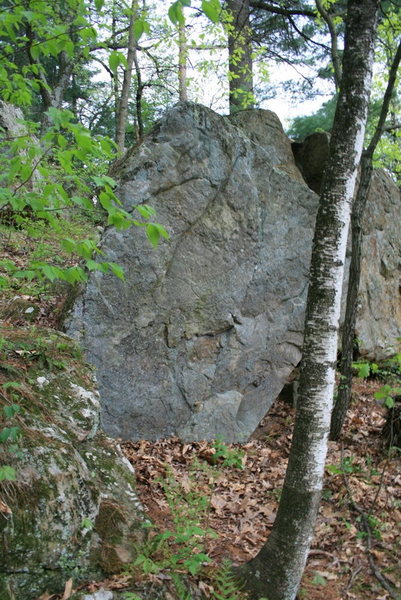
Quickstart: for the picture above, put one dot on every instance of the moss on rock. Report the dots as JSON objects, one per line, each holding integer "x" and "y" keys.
{"x": 72, "y": 510}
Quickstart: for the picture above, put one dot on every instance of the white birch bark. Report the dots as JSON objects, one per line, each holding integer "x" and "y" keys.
{"x": 275, "y": 573}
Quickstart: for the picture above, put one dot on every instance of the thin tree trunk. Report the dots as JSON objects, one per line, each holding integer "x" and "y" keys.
{"x": 347, "y": 341}
{"x": 335, "y": 55}
{"x": 182, "y": 64}
{"x": 239, "y": 56}
{"x": 122, "y": 115}
{"x": 51, "y": 97}
{"x": 276, "y": 572}
{"x": 138, "y": 100}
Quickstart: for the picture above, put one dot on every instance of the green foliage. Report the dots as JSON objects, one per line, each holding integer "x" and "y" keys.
{"x": 229, "y": 457}
{"x": 131, "y": 596}
{"x": 321, "y": 120}
{"x": 63, "y": 170}
{"x": 212, "y": 9}
{"x": 224, "y": 584}
{"x": 176, "y": 13}
{"x": 389, "y": 369}
{"x": 386, "y": 395}
{"x": 364, "y": 369}
{"x": 180, "y": 548}
{"x": 348, "y": 466}
{"x": 319, "y": 580}
{"x": 9, "y": 432}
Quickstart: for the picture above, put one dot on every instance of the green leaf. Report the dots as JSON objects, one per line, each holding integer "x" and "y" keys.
{"x": 11, "y": 384}
{"x": 104, "y": 180}
{"x": 30, "y": 275}
{"x": 50, "y": 272}
{"x": 7, "y": 473}
{"x": 139, "y": 28}
{"x": 116, "y": 59}
{"x": 9, "y": 434}
{"x": 363, "y": 369}
{"x": 145, "y": 210}
{"x": 176, "y": 14}
{"x": 11, "y": 410}
{"x": 333, "y": 469}
{"x": 73, "y": 274}
{"x": 99, "y": 4}
{"x": 319, "y": 580}
{"x": 162, "y": 231}
{"x": 68, "y": 244}
{"x": 152, "y": 234}
{"x": 119, "y": 220}
{"x": 86, "y": 523}
{"x": 84, "y": 140}
{"x": 117, "y": 270}
{"x": 212, "y": 9}
{"x": 389, "y": 402}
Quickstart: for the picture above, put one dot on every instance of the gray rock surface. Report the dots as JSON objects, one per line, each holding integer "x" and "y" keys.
{"x": 379, "y": 317}
{"x": 72, "y": 510}
{"x": 202, "y": 336}
{"x": 378, "y": 326}
{"x": 200, "y": 339}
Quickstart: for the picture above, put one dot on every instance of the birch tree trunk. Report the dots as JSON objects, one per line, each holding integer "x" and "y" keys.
{"x": 275, "y": 573}
{"x": 358, "y": 210}
{"x": 239, "y": 56}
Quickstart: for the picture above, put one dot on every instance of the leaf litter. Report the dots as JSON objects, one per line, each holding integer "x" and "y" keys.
{"x": 242, "y": 503}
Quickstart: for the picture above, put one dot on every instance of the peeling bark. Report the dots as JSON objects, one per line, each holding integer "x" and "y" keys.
{"x": 276, "y": 571}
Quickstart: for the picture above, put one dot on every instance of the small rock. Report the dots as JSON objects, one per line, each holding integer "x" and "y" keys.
{"x": 42, "y": 382}
{"x": 100, "y": 595}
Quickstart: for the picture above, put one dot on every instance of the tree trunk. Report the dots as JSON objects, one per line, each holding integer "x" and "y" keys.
{"x": 52, "y": 97}
{"x": 276, "y": 571}
{"x": 239, "y": 56}
{"x": 182, "y": 64}
{"x": 122, "y": 115}
{"x": 358, "y": 209}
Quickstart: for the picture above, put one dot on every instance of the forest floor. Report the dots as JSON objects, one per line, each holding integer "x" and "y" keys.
{"x": 356, "y": 551}
{"x": 215, "y": 502}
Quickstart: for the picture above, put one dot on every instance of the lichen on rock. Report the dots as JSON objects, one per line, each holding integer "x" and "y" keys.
{"x": 58, "y": 518}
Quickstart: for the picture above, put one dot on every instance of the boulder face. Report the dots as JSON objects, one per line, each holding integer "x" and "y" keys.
{"x": 379, "y": 316}
{"x": 205, "y": 331}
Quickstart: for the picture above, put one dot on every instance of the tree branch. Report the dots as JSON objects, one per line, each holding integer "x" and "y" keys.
{"x": 381, "y": 125}
{"x": 281, "y": 11}
{"x": 334, "y": 42}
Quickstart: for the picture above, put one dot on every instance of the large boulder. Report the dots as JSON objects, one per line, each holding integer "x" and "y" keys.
{"x": 201, "y": 336}
{"x": 379, "y": 315}
{"x": 205, "y": 331}
{"x": 71, "y": 510}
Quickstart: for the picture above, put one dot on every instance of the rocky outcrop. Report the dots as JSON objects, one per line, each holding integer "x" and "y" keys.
{"x": 379, "y": 316}
{"x": 202, "y": 335}
{"x": 11, "y": 118}
{"x": 72, "y": 510}
{"x": 206, "y": 330}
